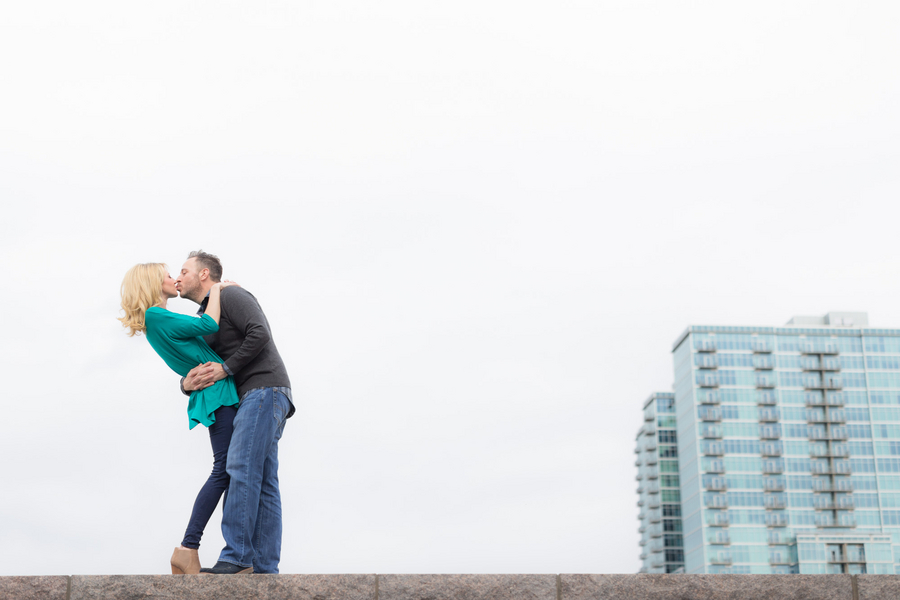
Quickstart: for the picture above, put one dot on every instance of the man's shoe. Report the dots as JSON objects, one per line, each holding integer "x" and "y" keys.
{"x": 224, "y": 568}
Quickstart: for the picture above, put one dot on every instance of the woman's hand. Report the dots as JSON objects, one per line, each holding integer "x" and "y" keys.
{"x": 226, "y": 283}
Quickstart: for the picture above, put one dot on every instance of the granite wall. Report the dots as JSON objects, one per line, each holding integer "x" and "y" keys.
{"x": 452, "y": 587}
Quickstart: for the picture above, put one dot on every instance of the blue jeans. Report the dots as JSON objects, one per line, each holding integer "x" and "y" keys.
{"x": 217, "y": 483}
{"x": 251, "y": 519}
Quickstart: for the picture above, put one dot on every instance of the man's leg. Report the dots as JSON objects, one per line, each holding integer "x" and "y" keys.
{"x": 255, "y": 427}
{"x": 267, "y": 537}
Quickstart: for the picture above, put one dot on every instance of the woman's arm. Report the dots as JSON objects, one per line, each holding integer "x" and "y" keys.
{"x": 214, "y": 306}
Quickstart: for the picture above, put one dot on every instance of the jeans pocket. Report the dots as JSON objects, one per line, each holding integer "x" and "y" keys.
{"x": 279, "y": 403}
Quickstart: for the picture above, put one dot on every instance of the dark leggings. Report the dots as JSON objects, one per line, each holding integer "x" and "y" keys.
{"x": 208, "y": 498}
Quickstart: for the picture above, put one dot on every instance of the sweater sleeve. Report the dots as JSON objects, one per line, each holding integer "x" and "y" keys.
{"x": 179, "y": 327}
{"x": 245, "y": 314}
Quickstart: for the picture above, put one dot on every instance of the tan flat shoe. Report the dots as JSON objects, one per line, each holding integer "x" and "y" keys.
{"x": 185, "y": 561}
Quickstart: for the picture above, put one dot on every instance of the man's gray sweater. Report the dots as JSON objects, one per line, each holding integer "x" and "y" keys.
{"x": 244, "y": 341}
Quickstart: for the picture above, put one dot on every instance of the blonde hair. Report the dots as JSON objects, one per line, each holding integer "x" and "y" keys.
{"x": 141, "y": 289}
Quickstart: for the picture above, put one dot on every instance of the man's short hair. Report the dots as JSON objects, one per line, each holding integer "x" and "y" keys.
{"x": 208, "y": 261}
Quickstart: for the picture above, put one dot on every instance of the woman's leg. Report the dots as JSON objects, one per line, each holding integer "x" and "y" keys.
{"x": 208, "y": 498}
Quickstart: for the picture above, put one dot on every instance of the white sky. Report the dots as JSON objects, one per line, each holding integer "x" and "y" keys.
{"x": 476, "y": 229}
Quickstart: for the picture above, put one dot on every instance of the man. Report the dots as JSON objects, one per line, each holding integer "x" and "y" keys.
{"x": 251, "y": 517}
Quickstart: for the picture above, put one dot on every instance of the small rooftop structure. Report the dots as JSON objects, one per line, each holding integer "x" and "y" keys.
{"x": 832, "y": 319}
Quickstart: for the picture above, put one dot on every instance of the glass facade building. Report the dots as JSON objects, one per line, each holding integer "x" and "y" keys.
{"x": 788, "y": 448}
{"x": 662, "y": 545}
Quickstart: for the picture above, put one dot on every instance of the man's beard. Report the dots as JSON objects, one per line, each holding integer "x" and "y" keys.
{"x": 191, "y": 293}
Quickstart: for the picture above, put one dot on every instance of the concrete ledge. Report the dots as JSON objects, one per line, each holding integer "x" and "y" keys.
{"x": 877, "y": 587}
{"x": 34, "y": 588}
{"x": 215, "y": 587}
{"x": 706, "y": 587}
{"x": 467, "y": 587}
{"x": 452, "y": 587}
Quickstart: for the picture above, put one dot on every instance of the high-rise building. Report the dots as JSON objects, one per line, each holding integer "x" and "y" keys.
{"x": 662, "y": 548}
{"x": 788, "y": 449}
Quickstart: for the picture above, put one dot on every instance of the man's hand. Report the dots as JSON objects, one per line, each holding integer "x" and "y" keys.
{"x": 203, "y": 376}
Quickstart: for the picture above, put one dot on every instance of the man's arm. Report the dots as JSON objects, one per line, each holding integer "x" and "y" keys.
{"x": 200, "y": 377}
{"x": 246, "y": 316}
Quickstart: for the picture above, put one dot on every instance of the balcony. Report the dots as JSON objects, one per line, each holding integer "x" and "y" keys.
{"x": 717, "y": 519}
{"x": 716, "y": 484}
{"x": 656, "y": 531}
{"x": 774, "y": 502}
{"x": 640, "y": 503}
{"x": 709, "y": 414}
{"x": 718, "y": 538}
{"x": 652, "y": 474}
{"x": 833, "y": 467}
{"x": 836, "y": 433}
{"x": 638, "y": 462}
{"x": 815, "y": 415}
{"x": 649, "y": 416}
{"x": 765, "y": 382}
{"x": 776, "y": 520}
{"x": 771, "y": 484}
{"x": 715, "y": 466}
{"x": 653, "y": 488}
{"x": 711, "y": 432}
{"x": 705, "y": 346}
{"x": 826, "y": 503}
{"x": 769, "y": 414}
{"x": 809, "y": 363}
{"x": 711, "y": 397}
{"x": 818, "y": 348}
{"x": 656, "y": 545}
{"x": 761, "y": 346}
{"x": 721, "y": 558}
{"x": 653, "y": 503}
{"x": 763, "y": 363}
{"x": 778, "y": 558}
{"x": 771, "y": 449}
{"x": 836, "y": 451}
{"x": 708, "y": 381}
{"x": 712, "y": 449}
{"x": 766, "y": 399}
{"x": 772, "y": 467}
{"x": 707, "y": 361}
{"x": 839, "y": 485}
{"x": 652, "y": 459}
{"x": 844, "y": 559}
{"x": 831, "y": 364}
{"x": 716, "y": 501}
{"x": 770, "y": 432}
{"x": 836, "y": 415}
{"x": 826, "y": 520}
{"x": 829, "y": 383}
{"x": 777, "y": 538}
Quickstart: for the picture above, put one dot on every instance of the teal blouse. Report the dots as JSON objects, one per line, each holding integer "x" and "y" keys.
{"x": 176, "y": 338}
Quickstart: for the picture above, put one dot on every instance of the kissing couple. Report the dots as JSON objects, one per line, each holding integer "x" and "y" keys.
{"x": 238, "y": 389}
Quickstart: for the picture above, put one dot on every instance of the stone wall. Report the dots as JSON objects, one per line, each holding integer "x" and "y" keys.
{"x": 452, "y": 587}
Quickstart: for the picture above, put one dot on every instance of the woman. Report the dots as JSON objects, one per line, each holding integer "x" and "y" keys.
{"x": 177, "y": 339}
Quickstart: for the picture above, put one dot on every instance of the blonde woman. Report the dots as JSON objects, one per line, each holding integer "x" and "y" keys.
{"x": 177, "y": 339}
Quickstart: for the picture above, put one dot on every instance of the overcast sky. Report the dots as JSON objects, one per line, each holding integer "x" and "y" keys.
{"x": 476, "y": 229}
